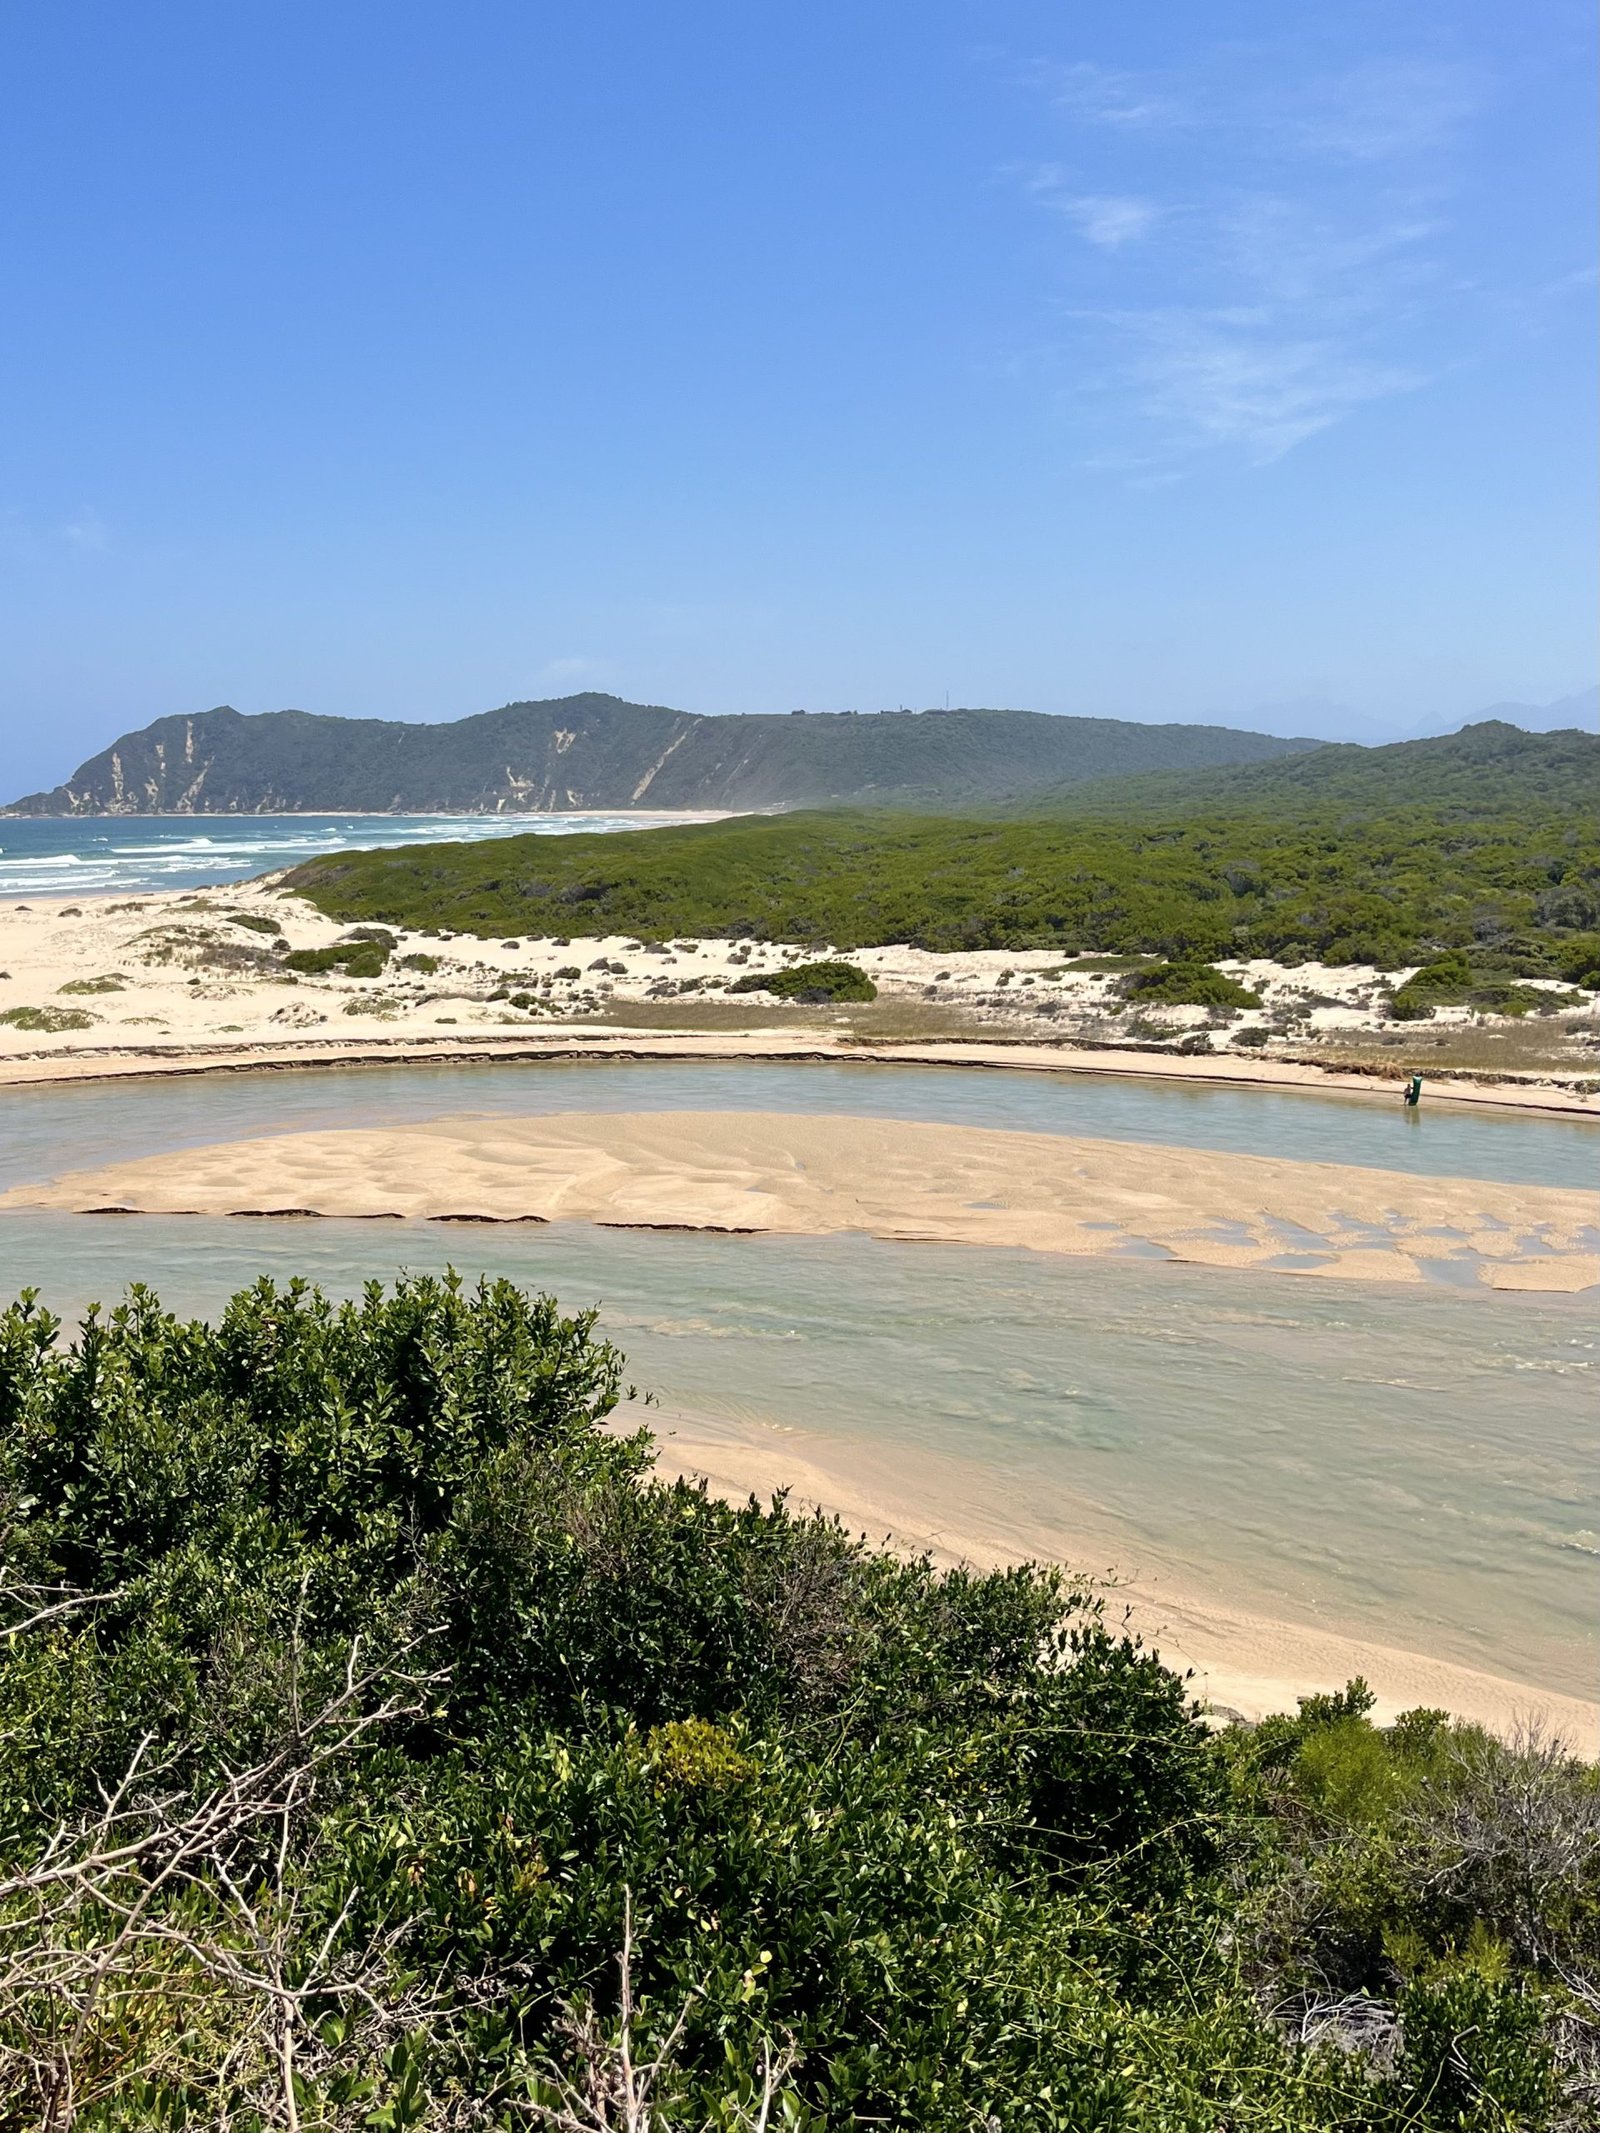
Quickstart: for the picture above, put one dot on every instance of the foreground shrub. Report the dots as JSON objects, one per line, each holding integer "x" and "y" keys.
{"x": 380, "y": 1745}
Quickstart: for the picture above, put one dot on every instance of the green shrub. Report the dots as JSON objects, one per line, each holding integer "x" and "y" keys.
{"x": 1444, "y": 982}
{"x": 360, "y": 954}
{"x": 111, "y": 982}
{"x": 946, "y": 1843}
{"x": 425, "y": 964}
{"x": 811, "y": 982}
{"x": 1185, "y": 984}
{"x": 48, "y": 1019}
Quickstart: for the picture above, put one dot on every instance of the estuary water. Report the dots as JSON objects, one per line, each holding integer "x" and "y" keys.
{"x": 133, "y": 854}
{"x": 1413, "y": 1465}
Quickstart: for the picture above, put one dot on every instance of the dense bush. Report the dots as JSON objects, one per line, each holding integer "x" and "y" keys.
{"x": 1388, "y": 886}
{"x": 815, "y": 982}
{"x": 381, "y": 1746}
{"x": 1186, "y": 985}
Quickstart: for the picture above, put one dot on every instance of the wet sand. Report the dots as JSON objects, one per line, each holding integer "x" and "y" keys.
{"x": 793, "y": 1175}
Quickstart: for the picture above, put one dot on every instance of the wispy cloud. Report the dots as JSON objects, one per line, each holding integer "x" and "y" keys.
{"x": 1384, "y": 109}
{"x": 569, "y": 673}
{"x": 1276, "y": 293}
{"x": 1106, "y": 219}
{"x": 85, "y": 529}
{"x": 1242, "y": 384}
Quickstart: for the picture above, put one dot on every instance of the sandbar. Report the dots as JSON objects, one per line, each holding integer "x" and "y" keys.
{"x": 787, "y": 1174}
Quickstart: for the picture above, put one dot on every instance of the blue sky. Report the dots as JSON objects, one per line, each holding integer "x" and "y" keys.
{"x": 1155, "y": 360}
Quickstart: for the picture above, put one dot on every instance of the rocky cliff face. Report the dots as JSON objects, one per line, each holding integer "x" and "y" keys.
{"x": 595, "y": 751}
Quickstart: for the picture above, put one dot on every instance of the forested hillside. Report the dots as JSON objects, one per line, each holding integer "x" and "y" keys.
{"x": 597, "y": 751}
{"x": 1487, "y": 769}
{"x": 1451, "y": 843}
{"x": 382, "y": 1747}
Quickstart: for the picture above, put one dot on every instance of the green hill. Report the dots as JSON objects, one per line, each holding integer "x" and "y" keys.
{"x": 597, "y": 751}
{"x": 1489, "y": 768}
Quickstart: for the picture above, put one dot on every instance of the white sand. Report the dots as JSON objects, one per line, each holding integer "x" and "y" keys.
{"x": 786, "y": 1174}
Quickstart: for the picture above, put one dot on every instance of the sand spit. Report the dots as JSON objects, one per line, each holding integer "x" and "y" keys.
{"x": 1243, "y": 1660}
{"x": 787, "y": 1175}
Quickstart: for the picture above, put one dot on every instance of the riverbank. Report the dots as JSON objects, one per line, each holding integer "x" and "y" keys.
{"x": 1244, "y": 1661}
{"x": 201, "y": 982}
{"x": 788, "y": 1174}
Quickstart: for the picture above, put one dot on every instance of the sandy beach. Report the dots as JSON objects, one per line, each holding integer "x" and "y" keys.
{"x": 784, "y": 1174}
{"x": 189, "y": 982}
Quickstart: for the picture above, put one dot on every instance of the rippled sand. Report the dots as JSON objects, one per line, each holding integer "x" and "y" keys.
{"x": 795, "y": 1175}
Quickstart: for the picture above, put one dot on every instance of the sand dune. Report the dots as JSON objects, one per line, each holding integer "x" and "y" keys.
{"x": 782, "y": 1174}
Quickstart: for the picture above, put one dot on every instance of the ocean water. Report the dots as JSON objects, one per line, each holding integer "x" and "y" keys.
{"x": 131, "y": 854}
{"x": 1415, "y": 1465}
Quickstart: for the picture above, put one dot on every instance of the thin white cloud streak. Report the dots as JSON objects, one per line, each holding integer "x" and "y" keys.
{"x": 1214, "y": 382}
{"x": 85, "y": 529}
{"x": 1383, "y": 110}
{"x": 1109, "y": 220}
{"x": 1283, "y": 285}
{"x": 1103, "y": 96}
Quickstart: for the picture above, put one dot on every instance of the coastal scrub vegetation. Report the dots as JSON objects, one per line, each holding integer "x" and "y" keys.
{"x": 1186, "y": 984}
{"x": 382, "y": 1745}
{"x": 1493, "y": 851}
{"x": 812, "y": 983}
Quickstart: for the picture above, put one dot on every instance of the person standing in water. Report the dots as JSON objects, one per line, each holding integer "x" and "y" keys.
{"x": 1412, "y": 1094}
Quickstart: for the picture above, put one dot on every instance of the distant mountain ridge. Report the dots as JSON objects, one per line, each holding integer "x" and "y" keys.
{"x": 595, "y": 751}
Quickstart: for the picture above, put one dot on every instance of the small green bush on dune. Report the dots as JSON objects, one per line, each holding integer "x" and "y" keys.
{"x": 419, "y": 1703}
{"x": 48, "y": 1020}
{"x": 815, "y": 983}
{"x": 1186, "y": 985}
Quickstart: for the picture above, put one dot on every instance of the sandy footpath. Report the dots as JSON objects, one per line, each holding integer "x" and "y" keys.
{"x": 1243, "y": 1661}
{"x": 792, "y": 1175}
{"x": 197, "y": 981}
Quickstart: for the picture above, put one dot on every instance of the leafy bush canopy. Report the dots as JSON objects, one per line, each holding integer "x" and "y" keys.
{"x": 381, "y": 1745}
{"x": 1186, "y": 985}
{"x": 1389, "y": 886}
{"x": 815, "y": 982}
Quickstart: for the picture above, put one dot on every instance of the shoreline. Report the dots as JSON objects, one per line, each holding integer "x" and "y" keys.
{"x": 1245, "y": 1661}
{"x": 584, "y": 1042}
{"x": 249, "y": 978}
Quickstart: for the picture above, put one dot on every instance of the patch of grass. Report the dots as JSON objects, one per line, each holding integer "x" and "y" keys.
{"x": 109, "y": 983}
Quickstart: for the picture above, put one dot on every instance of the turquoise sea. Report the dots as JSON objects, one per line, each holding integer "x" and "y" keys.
{"x": 129, "y": 854}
